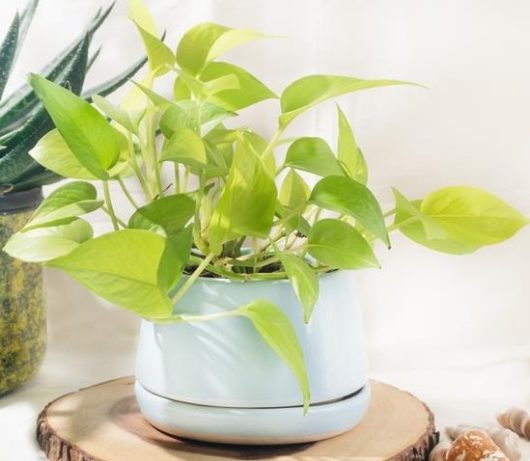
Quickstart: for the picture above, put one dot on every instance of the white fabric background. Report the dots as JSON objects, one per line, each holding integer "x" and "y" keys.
{"x": 455, "y": 330}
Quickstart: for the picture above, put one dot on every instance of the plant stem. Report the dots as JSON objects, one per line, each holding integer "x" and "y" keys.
{"x": 191, "y": 280}
{"x": 127, "y": 193}
{"x": 186, "y": 179}
{"x": 266, "y": 262}
{"x": 396, "y": 226}
{"x": 177, "y": 178}
{"x": 110, "y": 208}
{"x": 136, "y": 168}
{"x": 196, "y": 318}
{"x": 120, "y": 222}
{"x": 273, "y": 142}
{"x": 390, "y": 213}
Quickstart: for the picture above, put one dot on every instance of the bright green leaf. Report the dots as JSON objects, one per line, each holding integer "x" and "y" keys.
{"x": 87, "y": 133}
{"x": 250, "y": 91}
{"x": 276, "y": 330}
{"x": 221, "y": 84}
{"x": 175, "y": 257}
{"x": 339, "y": 245}
{"x": 121, "y": 267}
{"x": 117, "y": 114}
{"x": 248, "y": 201}
{"x": 294, "y": 192}
{"x": 433, "y": 230}
{"x": 314, "y": 156}
{"x": 314, "y": 89}
{"x": 179, "y": 116}
{"x": 232, "y": 38}
{"x": 186, "y": 114}
{"x": 65, "y": 203}
{"x": 171, "y": 213}
{"x": 292, "y": 220}
{"x": 47, "y": 243}
{"x": 409, "y": 223}
{"x": 53, "y": 153}
{"x": 180, "y": 90}
{"x": 259, "y": 146}
{"x": 473, "y": 216}
{"x": 343, "y": 194}
{"x": 349, "y": 153}
{"x": 158, "y": 100}
{"x": 206, "y": 42}
{"x": 160, "y": 57}
{"x": 140, "y": 14}
{"x": 186, "y": 147}
{"x": 304, "y": 281}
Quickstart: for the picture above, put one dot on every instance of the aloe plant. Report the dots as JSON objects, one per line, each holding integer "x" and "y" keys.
{"x": 23, "y": 119}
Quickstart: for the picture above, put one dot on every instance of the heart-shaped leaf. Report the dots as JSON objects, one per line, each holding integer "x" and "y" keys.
{"x": 86, "y": 132}
{"x": 339, "y": 245}
{"x": 314, "y": 89}
{"x": 48, "y": 243}
{"x": 348, "y": 151}
{"x": 345, "y": 195}
{"x": 276, "y": 330}
{"x": 121, "y": 267}
{"x": 304, "y": 281}
{"x": 314, "y": 156}
{"x": 65, "y": 204}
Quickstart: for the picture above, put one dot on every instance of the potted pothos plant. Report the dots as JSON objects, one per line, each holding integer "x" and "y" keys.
{"x": 238, "y": 267}
{"x": 23, "y": 121}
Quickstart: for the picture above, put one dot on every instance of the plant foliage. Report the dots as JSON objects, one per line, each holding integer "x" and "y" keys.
{"x": 23, "y": 119}
{"x": 229, "y": 208}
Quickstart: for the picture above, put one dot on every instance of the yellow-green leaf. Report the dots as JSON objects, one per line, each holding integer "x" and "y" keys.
{"x": 314, "y": 156}
{"x": 206, "y": 42}
{"x": 336, "y": 244}
{"x": 348, "y": 151}
{"x": 473, "y": 216}
{"x": 345, "y": 195}
{"x": 186, "y": 147}
{"x": 65, "y": 204}
{"x": 304, "y": 281}
{"x": 121, "y": 267}
{"x": 248, "y": 201}
{"x": 86, "y": 132}
{"x": 160, "y": 57}
{"x": 276, "y": 330}
{"x": 294, "y": 192}
{"x": 48, "y": 243}
{"x": 314, "y": 89}
{"x": 249, "y": 91}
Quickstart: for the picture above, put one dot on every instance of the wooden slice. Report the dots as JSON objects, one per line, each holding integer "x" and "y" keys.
{"x": 103, "y": 423}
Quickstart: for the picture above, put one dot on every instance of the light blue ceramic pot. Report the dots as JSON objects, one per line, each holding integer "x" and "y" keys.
{"x": 218, "y": 381}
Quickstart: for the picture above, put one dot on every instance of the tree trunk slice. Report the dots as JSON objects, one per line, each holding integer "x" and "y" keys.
{"x": 103, "y": 423}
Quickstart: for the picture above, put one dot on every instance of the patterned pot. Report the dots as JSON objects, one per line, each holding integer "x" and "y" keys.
{"x": 22, "y": 313}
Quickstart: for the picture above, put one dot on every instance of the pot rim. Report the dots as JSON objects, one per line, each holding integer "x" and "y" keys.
{"x": 284, "y": 280}
{"x": 16, "y": 202}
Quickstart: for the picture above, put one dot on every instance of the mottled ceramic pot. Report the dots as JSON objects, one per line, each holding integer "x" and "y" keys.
{"x": 22, "y": 314}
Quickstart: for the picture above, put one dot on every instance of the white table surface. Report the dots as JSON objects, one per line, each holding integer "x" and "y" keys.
{"x": 92, "y": 342}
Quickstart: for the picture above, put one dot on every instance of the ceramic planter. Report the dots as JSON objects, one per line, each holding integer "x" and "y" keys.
{"x": 22, "y": 315}
{"x": 218, "y": 381}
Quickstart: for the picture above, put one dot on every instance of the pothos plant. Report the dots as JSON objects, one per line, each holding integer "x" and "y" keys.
{"x": 231, "y": 207}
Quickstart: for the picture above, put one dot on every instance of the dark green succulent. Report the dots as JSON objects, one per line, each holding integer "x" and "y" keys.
{"x": 23, "y": 120}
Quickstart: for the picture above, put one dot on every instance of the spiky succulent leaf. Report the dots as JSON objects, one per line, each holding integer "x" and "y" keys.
{"x": 8, "y": 51}
{"x": 21, "y": 101}
{"x": 15, "y": 161}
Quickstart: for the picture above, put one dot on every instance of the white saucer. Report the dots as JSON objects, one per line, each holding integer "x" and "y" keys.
{"x": 253, "y": 426}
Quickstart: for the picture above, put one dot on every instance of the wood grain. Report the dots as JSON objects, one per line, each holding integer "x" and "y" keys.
{"x": 103, "y": 423}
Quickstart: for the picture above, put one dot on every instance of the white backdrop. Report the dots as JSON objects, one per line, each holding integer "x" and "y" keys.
{"x": 470, "y": 127}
